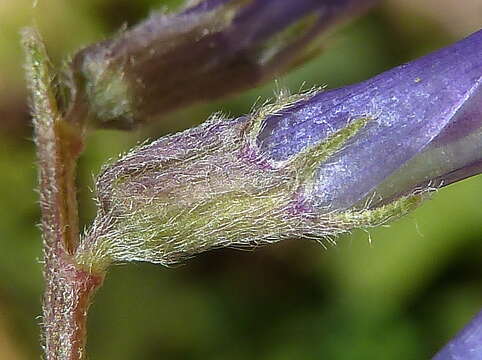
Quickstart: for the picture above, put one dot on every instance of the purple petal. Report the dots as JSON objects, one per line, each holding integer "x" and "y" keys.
{"x": 455, "y": 154}
{"x": 206, "y": 5}
{"x": 431, "y": 104}
{"x": 466, "y": 345}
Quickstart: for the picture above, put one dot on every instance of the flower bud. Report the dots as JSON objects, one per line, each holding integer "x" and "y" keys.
{"x": 203, "y": 53}
{"x": 313, "y": 165}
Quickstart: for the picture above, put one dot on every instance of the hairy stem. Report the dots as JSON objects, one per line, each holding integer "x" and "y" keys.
{"x": 66, "y": 302}
{"x": 58, "y": 147}
{"x": 59, "y": 143}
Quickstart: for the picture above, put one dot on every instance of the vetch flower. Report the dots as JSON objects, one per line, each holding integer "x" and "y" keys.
{"x": 206, "y": 51}
{"x": 312, "y": 165}
{"x": 466, "y": 345}
{"x": 427, "y": 128}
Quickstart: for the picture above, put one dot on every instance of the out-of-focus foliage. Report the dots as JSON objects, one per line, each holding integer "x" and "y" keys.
{"x": 400, "y": 296}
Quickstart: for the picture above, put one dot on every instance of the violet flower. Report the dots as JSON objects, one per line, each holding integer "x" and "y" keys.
{"x": 426, "y": 128}
{"x": 207, "y": 51}
{"x": 311, "y": 165}
{"x": 466, "y": 345}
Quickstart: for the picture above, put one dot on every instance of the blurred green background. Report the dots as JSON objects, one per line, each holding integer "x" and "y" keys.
{"x": 394, "y": 293}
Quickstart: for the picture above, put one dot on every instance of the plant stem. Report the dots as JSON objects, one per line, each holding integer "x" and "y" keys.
{"x": 66, "y": 301}
{"x": 68, "y": 289}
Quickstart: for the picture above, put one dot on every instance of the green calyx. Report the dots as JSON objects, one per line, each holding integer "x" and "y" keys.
{"x": 108, "y": 92}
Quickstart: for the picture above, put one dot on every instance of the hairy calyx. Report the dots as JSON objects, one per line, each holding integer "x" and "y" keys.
{"x": 212, "y": 187}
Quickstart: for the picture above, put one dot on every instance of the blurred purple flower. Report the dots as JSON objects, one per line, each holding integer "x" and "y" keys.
{"x": 466, "y": 345}
{"x": 310, "y": 165}
{"x": 208, "y": 51}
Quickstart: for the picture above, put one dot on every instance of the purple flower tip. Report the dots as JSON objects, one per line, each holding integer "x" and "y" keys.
{"x": 466, "y": 345}
{"x": 426, "y": 128}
